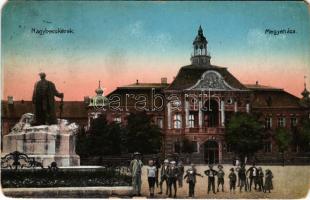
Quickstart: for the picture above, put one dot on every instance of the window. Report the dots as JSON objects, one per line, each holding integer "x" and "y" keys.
{"x": 191, "y": 121}
{"x": 177, "y": 121}
{"x": 268, "y": 122}
{"x": 281, "y": 122}
{"x": 267, "y": 147}
{"x": 117, "y": 119}
{"x": 160, "y": 122}
{"x": 293, "y": 121}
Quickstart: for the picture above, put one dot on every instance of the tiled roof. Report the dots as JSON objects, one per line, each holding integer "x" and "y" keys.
{"x": 71, "y": 109}
{"x": 260, "y": 87}
{"x": 190, "y": 74}
{"x": 144, "y": 85}
{"x": 274, "y": 98}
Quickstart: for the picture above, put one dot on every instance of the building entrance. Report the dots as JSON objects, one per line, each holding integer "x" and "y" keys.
{"x": 211, "y": 152}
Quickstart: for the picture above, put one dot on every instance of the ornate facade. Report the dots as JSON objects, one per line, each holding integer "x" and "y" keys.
{"x": 199, "y": 103}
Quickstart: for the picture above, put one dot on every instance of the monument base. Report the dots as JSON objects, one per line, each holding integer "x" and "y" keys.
{"x": 45, "y": 143}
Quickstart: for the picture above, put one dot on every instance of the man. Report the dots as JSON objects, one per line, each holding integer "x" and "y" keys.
{"x": 242, "y": 177}
{"x": 253, "y": 176}
{"x": 220, "y": 178}
{"x": 136, "y": 169}
{"x": 181, "y": 173}
{"x": 191, "y": 174}
{"x": 157, "y": 165}
{"x": 44, "y": 102}
{"x": 173, "y": 174}
{"x": 164, "y": 176}
{"x": 211, "y": 173}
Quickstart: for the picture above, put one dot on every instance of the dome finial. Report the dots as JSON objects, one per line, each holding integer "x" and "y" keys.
{"x": 305, "y": 93}
{"x": 99, "y": 90}
{"x": 200, "y": 31}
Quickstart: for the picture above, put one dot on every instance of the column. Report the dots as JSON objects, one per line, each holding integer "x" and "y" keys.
{"x": 169, "y": 115}
{"x": 235, "y": 106}
{"x": 220, "y": 152}
{"x": 186, "y": 108}
{"x": 248, "y": 108}
{"x": 200, "y": 114}
{"x": 222, "y": 113}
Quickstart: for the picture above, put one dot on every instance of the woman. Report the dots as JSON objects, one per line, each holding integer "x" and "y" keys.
{"x": 268, "y": 181}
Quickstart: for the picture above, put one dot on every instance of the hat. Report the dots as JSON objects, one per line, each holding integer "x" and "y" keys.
{"x": 232, "y": 169}
{"x": 172, "y": 162}
{"x": 220, "y": 166}
{"x": 166, "y": 161}
{"x": 136, "y": 153}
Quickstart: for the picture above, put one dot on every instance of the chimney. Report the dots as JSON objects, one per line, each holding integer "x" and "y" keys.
{"x": 163, "y": 80}
{"x": 137, "y": 82}
{"x": 256, "y": 82}
{"x": 10, "y": 100}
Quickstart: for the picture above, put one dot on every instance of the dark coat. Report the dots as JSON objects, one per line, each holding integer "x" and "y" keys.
{"x": 210, "y": 173}
{"x": 268, "y": 181}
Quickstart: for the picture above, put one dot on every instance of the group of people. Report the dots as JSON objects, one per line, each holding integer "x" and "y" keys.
{"x": 173, "y": 173}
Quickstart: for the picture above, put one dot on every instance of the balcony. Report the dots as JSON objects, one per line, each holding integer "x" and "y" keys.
{"x": 206, "y": 130}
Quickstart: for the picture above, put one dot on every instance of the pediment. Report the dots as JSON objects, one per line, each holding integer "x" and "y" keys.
{"x": 213, "y": 81}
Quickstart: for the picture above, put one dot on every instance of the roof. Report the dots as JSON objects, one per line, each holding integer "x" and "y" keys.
{"x": 144, "y": 86}
{"x": 190, "y": 74}
{"x": 274, "y": 98}
{"x": 71, "y": 109}
{"x": 261, "y": 87}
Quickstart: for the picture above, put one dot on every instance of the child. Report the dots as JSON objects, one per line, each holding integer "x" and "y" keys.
{"x": 151, "y": 174}
{"x": 191, "y": 174}
{"x": 260, "y": 179}
{"x": 232, "y": 180}
{"x": 220, "y": 178}
{"x": 173, "y": 173}
{"x": 268, "y": 181}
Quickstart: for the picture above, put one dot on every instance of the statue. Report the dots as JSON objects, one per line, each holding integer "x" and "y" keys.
{"x": 44, "y": 102}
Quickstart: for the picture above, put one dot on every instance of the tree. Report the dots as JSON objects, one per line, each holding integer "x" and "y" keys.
{"x": 304, "y": 135}
{"x": 245, "y": 135}
{"x": 283, "y": 138}
{"x": 103, "y": 138}
{"x": 142, "y": 134}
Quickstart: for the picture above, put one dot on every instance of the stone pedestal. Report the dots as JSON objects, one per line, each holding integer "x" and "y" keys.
{"x": 45, "y": 143}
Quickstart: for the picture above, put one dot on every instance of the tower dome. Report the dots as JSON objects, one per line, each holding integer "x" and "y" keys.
{"x": 200, "y": 55}
{"x": 99, "y": 91}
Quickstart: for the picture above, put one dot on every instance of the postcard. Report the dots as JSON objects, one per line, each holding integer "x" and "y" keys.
{"x": 155, "y": 99}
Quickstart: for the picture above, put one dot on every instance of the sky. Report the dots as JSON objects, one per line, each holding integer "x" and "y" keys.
{"x": 120, "y": 42}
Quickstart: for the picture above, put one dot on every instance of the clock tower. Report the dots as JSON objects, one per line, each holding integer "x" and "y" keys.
{"x": 200, "y": 55}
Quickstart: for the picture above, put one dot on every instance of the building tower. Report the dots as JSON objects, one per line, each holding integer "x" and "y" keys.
{"x": 200, "y": 56}
{"x": 305, "y": 93}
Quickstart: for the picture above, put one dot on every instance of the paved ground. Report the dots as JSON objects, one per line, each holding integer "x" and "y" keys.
{"x": 289, "y": 182}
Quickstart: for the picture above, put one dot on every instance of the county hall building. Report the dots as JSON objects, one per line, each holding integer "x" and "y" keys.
{"x": 199, "y": 103}
{"x": 196, "y": 105}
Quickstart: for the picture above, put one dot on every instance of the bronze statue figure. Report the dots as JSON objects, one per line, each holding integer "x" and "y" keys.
{"x": 44, "y": 102}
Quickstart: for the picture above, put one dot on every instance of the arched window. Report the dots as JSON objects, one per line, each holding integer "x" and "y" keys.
{"x": 177, "y": 121}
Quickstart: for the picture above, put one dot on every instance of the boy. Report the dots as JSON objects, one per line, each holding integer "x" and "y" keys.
{"x": 232, "y": 180}
{"x": 151, "y": 176}
{"x": 191, "y": 174}
{"x": 220, "y": 178}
